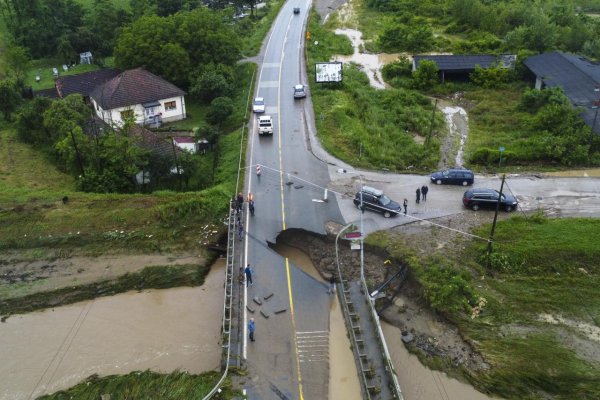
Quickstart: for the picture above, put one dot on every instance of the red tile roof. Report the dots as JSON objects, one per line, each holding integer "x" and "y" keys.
{"x": 184, "y": 140}
{"x": 132, "y": 87}
{"x": 151, "y": 141}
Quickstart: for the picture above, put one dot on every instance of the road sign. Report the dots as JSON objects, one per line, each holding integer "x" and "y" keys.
{"x": 353, "y": 235}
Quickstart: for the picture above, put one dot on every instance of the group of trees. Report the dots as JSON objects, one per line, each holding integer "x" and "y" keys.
{"x": 489, "y": 26}
{"x": 181, "y": 47}
{"x": 50, "y": 28}
{"x": 104, "y": 160}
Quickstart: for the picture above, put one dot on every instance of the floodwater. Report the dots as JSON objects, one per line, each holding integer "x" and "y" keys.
{"x": 371, "y": 63}
{"x": 160, "y": 330}
{"x": 419, "y": 382}
{"x": 343, "y": 376}
{"x": 457, "y": 122}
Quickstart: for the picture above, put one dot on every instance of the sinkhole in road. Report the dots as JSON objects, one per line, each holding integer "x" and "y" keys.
{"x": 343, "y": 376}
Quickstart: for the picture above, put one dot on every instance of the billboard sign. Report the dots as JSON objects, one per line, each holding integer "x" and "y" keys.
{"x": 328, "y": 72}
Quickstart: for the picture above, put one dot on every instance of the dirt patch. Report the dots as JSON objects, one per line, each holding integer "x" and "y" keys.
{"x": 21, "y": 278}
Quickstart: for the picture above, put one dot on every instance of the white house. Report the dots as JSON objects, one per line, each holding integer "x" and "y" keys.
{"x": 186, "y": 143}
{"x": 137, "y": 93}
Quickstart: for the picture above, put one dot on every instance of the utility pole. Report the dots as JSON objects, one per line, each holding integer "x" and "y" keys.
{"x": 489, "y": 249}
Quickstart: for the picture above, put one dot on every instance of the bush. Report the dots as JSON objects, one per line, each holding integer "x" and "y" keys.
{"x": 492, "y": 77}
{"x": 426, "y": 75}
{"x": 533, "y": 100}
{"x": 447, "y": 289}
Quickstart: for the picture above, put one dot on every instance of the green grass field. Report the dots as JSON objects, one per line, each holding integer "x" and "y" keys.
{"x": 540, "y": 268}
{"x": 43, "y": 69}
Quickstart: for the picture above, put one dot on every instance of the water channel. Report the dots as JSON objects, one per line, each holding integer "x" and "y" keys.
{"x": 160, "y": 330}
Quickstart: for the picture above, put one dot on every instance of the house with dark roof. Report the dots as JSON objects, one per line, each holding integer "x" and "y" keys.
{"x": 462, "y": 65}
{"x": 137, "y": 93}
{"x": 82, "y": 83}
{"x": 578, "y": 77}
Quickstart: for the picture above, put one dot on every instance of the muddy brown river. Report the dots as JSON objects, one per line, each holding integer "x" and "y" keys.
{"x": 160, "y": 330}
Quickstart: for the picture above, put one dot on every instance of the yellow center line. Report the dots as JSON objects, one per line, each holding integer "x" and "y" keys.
{"x": 287, "y": 264}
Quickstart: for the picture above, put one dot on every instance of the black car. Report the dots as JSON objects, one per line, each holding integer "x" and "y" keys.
{"x": 487, "y": 198}
{"x": 454, "y": 176}
{"x": 374, "y": 199}
{"x": 296, "y": 10}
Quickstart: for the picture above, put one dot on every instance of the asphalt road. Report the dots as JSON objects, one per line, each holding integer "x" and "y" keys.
{"x": 287, "y": 194}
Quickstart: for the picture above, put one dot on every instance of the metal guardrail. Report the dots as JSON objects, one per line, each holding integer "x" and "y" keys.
{"x": 388, "y": 362}
{"x": 228, "y": 300}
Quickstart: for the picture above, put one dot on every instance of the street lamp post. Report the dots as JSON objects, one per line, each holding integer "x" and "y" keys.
{"x": 362, "y": 211}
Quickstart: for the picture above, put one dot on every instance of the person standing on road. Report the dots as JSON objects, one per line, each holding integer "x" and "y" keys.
{"x": 240, "y": 201}
{"x": 331, "y": 284}
{"x": 248, "y": 272}
{"x": 405, "y": 204}
{"x": 251, "y": 203}
{"x": 251, "y": 329}
{"x": 418, "y": 195}
{"x": 424, "y": 190}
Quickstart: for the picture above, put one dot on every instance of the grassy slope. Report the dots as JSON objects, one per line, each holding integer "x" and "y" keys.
{"x": 361, "y": 125}
{"x": 146, "y": 385}
{"x": 536, "y": 269}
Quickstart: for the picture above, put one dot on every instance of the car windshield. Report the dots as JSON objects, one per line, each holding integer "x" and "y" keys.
{"x": 259, "y": 102}
{"x": 445, "y": 173}
{"x": 384, "y": 200}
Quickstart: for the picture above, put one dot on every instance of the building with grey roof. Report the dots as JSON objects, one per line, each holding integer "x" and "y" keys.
{"x": 578, "y": 77}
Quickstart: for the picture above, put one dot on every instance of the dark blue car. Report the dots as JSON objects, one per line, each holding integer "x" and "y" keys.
{"x": 453, "y": 176}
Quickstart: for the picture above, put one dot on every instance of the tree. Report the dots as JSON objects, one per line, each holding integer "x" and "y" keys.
{"x": 10, "y": 99}
{"x": 211, "y": 82}
{"x": 220, "y": 109}
{"x": 17, "y": 61}
{"x": 169, "y": 46}
{"x": 426, "y": 76}
{"x": 64, "y": 115}
{"x": 37, "y": 25}
{"x": 30, "y": 121}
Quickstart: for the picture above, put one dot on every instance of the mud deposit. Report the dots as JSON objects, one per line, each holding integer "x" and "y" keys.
{"x": 161, "y": 330}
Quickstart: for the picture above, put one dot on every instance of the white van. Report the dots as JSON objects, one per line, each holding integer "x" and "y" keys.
{"x": 265, "y": 125}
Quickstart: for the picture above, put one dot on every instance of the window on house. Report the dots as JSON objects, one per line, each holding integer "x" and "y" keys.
{"x": 127, "y": 114}
{"x": 170, "y": 105}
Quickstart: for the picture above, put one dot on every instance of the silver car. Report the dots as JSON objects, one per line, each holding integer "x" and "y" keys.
{"x": 259, "y": 105}
{"x": 299, "y": 92}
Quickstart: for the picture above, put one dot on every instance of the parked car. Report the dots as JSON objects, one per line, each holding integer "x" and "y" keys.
{"x": 265, "y": 125}
{"x": 296, "y": 10}
{"x": 477, "y": 198}
{"x": 259, "y": 105}
{"x": 453, "y": 176}
{"x": 374, "y": 199}
{"x": 299, "y": 92}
